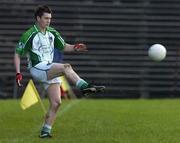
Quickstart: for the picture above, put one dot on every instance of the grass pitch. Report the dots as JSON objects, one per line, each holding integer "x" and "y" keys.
{"x": 94, "y": 121}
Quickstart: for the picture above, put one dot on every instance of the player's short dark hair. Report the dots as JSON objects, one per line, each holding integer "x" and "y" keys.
{"x": 41, "y": 10}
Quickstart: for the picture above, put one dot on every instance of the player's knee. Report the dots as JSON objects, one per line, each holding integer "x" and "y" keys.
{"x": 67, "y": 68}
{"x": 56, "y": 104}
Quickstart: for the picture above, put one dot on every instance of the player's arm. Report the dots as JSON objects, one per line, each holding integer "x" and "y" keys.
{"x": 17, "y": 62}
{"x": 62, "y": 45}
{"x": 79, "y": 47}
{"x": 19, "y": 51}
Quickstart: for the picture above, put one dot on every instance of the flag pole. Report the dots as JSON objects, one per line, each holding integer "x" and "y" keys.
{"x": 42, "y": 105}
{"x": 37, "y": 94}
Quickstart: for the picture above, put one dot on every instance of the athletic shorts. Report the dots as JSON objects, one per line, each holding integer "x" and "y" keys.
{"x": 39, "y": 73}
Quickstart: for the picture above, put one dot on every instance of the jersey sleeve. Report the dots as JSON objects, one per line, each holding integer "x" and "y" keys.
{"x": 25, "y": 43}
{"x": 59, "y": 42}
{"x": 20, "y": 47}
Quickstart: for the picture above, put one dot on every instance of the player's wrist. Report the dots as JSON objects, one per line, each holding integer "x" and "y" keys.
{"x": 18, "y": 73}
{"x": 18, "y": 79}
{"x": 18, "y": 76}
{"x": 80, "y": 47}
{"x": 77, "y": 47}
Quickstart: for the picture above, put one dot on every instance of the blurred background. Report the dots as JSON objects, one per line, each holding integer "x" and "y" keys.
{"x": 118, "y": 34}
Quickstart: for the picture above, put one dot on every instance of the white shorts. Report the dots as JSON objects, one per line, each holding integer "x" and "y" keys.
{"x": 39, "y": 73}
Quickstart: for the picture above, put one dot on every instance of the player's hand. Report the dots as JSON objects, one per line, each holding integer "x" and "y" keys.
{"x": 80, "y": 47}
{"x": 18, "y": 79}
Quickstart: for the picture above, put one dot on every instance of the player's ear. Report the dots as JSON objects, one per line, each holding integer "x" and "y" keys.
{"x": 38, "y": 18}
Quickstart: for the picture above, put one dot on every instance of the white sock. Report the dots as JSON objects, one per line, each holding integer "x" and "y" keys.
{"x": 47, "y": 126}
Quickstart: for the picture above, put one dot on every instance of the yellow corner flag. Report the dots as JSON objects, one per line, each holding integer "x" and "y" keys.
{"x": 65, "y": 85}
{"x": 30, "y": 96}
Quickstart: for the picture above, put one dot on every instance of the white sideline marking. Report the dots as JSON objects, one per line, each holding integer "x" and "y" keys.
{"x": 68, "y": 106}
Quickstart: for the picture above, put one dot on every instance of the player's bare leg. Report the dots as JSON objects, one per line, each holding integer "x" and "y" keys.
{"x": 54, "y": 96}
{"x": 58, "y": 69}
{"x": 66, "y": 69}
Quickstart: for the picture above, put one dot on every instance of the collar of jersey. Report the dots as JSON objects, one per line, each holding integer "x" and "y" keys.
{"x": 38, "y": 29}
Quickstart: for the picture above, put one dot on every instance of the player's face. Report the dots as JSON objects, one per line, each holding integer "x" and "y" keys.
{"x": 44, "y": 20}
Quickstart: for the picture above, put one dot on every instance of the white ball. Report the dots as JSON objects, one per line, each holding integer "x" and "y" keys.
{"x": 157, "y": 52}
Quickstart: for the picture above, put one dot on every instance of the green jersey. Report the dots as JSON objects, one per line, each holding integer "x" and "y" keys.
{"x": 38, "y": 46}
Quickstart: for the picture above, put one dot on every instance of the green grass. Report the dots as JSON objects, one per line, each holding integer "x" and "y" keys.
{"x": 94, "y": 121}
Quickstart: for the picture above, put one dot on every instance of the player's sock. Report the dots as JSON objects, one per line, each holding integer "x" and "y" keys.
{"x": 81, "y": 84}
